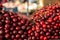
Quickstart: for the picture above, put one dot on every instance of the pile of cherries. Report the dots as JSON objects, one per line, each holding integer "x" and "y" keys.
{"x": 13, "y": 27}
{"x": 45, "y": 25}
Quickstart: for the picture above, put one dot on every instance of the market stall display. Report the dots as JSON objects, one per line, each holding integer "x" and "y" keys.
{"x": 44, "y": 25}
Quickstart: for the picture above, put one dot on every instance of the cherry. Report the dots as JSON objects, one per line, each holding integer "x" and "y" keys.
{"x": 20, "y": 32}
{"x": 45, "y": 38}
{"x": 44, "y": 25}
{"x": 1, "y": 32}
{"x": 7, "y": 21}
{"x": 6, "y": 31}
{"x": 36, "y": 34}
{"x": 17, "y": 36}
{"x": 14, "y": 32}
{"x": 29, "y": 31}
{"x": 12, "y": 36}
{"x": 50, "y": 20}
{"x": 14, "y": 19}
{"x": 7, "y": 35}
{"x": 41, "y": 37}
{"x": 17, "y": 28}
{"x": 6, "y": 14}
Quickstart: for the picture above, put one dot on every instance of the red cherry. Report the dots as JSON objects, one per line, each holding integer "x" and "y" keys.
{"x": 17, "y": 28}
{"x": 12, "y": 36}
{"x": 56, "y": 24}
{"x": 6, "y": 31}
{"x": 59, "y": 24}
{"x": 19, "y": 23}
{"x": 7, "y": 21}
{"x": 42, "y": 22}
{"x": 45, "y": 38}
{"x": 22, "y": 21}
{"x": 0, "y": 27}
{"x": 49, "y": 30}
{"x": 52, "y": 37}
{"x": 7, "y": 35}
{"x": 19, "y": 18}
{"x": 53, "y": 23}
{"x": 37, "y": 28}
{"x": 12, "y": 16}
{"x": 41, "y": 32}
{"x": 23, "y": 27}
{"x": 56, "y": 37}
{"x": 44, "y": 30}
{"x": 57, "y": 10}
{"x": 7, "y": 18}
{"x": 22, "y": 36}
{"x": 29, "y": 38}
{"x": 14, "y": 19}
{"x": 50, "y": 7}
{"x": 29, "y": 31}
{"x": 17, "y": 36}
{"x": 55, "y": 18}
{"x": 7, "y": 26}
{"x": 47, "y": 33}
{"x": 14, "y": 32}
{"x": 57, "y": 30}
{"x": 48, "y": 37}
{"x": 44, "y": 25}
{"x": 1, "y": 32}
{"x": 55, "y": 27}
{"x": 47, "y": 14}
{"x": 14, "y": 24}
{"x": 48, "y": 26}
{"x": 53, "y": 7}
{"x": 33, "y": 28}
{"x": 41, "y": 37}
{"x": 12, "y": 28}
{"x": 20, "y": 32}
{"x": 6, "y": 14}
{"x": 36, "y": 34}
{"x": 14, "y": 39}
{"x": 11, "y": 13}
{"x": 32, "y": 38}
{"x": 20, "y": 39}
{"x": 59, "y": 18}
{"x": 50, "y": 20}
{"x": 55, "y": 34}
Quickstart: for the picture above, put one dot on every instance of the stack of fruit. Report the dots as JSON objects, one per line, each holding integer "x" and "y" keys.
{"x": 45, "y": 25}
{"x": 13, "y": 27}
